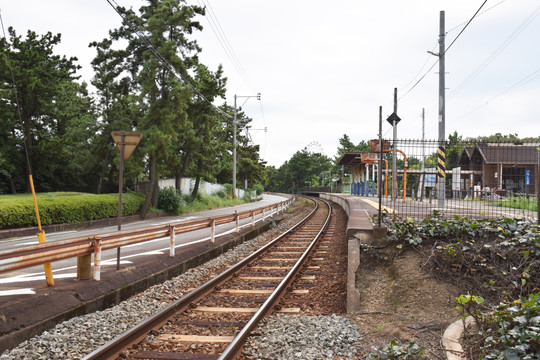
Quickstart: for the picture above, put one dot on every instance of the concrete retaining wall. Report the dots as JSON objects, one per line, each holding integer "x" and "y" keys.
{"x": 359, "y": 230}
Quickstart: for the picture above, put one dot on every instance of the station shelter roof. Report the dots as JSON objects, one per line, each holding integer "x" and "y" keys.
{"x": 357, "y": 159}
{"x": 350, "y": 159}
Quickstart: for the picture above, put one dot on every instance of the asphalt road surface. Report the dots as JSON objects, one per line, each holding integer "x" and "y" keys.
{"x": 24, "y": 281}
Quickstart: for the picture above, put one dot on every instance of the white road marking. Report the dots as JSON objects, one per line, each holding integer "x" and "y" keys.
{"x": 27, "y": 291}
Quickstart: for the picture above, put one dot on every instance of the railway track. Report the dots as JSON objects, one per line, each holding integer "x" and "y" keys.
{"x": 214, "y": 320}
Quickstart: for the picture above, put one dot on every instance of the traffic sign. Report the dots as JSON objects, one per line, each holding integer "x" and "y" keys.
{"x": 393, "y": 119}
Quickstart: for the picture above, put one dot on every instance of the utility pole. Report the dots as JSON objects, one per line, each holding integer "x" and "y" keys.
{"x": 423, "y": 139}
{"x": 379, "y": 175}
{"x": 234, "y": 152}
{"x": 394, "y": 153}
{"x": 441, "y": 167}
{"x": 258, "y": 96}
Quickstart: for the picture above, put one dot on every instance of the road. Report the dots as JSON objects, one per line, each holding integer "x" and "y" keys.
{"x": 24, "y": 281}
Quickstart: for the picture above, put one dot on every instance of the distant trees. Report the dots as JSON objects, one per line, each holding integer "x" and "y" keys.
{"x": 305, "y": 169}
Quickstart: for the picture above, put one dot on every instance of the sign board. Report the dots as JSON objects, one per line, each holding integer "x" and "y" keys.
{"x": 131, "y": 139}
{"x": 393, "y": 119}
{"x": 374, "y": 145}
{"x": 369, "y": 158}
{"x": 430, "y": 179}
{"x": 456, "y": 178}
{"x": 527, "y": 177}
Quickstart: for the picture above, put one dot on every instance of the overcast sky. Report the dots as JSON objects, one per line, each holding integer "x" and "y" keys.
{"x": 324, "y": 67}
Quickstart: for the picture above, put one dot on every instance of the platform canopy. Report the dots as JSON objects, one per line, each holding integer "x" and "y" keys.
{"x": 357, "y": 159}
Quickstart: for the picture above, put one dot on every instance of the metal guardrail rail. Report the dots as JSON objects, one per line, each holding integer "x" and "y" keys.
{"x": 40, "y": 254}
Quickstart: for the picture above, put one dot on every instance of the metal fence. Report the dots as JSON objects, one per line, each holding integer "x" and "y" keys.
{"x": 480, "y": 180}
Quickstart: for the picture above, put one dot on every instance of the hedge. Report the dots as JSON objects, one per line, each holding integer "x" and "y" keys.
{"x": 19, "y": 211}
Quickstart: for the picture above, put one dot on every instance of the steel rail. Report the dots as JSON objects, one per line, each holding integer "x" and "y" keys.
{"x": 39, "y": 254}
{"x": 136, "y": 334}
{"x": 235, "y": 347}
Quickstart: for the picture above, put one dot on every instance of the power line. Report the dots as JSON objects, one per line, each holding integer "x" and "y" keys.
{"x": 480, "y": 14}
{"x": 225, "y": 43}
{"x": 445, "y": 51}
{"x": 164, "y": 61}
{"x": 462, "y": 30}
{"x": 508, "y": 90}
{"x": 419, "y": 71}
{"x": 498, "y": 51}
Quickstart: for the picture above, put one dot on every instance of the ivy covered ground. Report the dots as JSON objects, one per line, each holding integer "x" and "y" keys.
{"x": 490, "y": 266}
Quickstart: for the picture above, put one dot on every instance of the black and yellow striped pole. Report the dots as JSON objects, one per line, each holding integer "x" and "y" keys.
{"x": 441, "y": 175}
{"x": 441, "y": 158}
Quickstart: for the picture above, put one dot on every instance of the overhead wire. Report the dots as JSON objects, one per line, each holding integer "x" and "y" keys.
{"x": 222, "y": 38}
{"x": 497, "y": 51}
{"x": 165, "y": 62}
{"x": 445, "y": 51}
{"x": 515, "y": 86}
{"x": 480, "y": 14}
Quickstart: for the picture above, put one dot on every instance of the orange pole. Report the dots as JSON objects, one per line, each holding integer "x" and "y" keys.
{"x": 41, "y": 236}
{"x": 404, "y": 173}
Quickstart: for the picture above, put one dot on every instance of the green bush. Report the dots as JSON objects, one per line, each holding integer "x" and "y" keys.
{"x": 170, "y": 200}
{"x": 397, "y": 351}
{"x": 510, "y": 330}
{"x": 19, "y": 211}
{"x": 259, "y": 188}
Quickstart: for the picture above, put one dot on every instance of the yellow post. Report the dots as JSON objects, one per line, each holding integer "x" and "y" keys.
{"x": 41, "y": 236}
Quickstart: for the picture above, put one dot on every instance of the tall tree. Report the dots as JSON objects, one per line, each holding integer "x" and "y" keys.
{"x": 200, "y": 140}
{"x": 159, "y": 56}
{"x": 51, "y": 103}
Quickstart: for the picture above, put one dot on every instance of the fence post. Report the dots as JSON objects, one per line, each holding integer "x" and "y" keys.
{"x": 84, "y": 267}
{"x": 538, "y": 189}
{"x": 213, "y": 231}
{"x": 263, "y": 215}
{"x": 252, "y": 218}
{"x": 236, "y": 219}
{"x": 172, "y": 236}
{"x": 97, "y": 258}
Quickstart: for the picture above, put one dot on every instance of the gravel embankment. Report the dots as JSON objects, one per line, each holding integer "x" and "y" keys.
{"x": 280, "y": 337}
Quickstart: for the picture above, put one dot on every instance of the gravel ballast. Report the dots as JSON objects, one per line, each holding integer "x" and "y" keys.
{"x": 280, "y": 337}
{"x": 303, "y": 337}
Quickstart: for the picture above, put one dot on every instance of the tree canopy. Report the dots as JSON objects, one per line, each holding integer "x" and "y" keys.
{"x": 147, "y": 78}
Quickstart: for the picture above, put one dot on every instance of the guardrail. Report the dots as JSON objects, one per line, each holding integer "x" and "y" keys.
{"x": 84, "y": 247}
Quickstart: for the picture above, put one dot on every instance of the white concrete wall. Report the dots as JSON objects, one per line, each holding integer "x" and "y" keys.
{"x": 187, "y": 185}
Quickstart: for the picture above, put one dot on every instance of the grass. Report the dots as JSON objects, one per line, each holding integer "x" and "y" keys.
{"x": 519, "y": 202}
{"x": 207, "y": 202}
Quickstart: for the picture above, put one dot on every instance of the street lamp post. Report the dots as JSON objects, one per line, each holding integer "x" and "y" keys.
{"x": 258, "y": 96}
